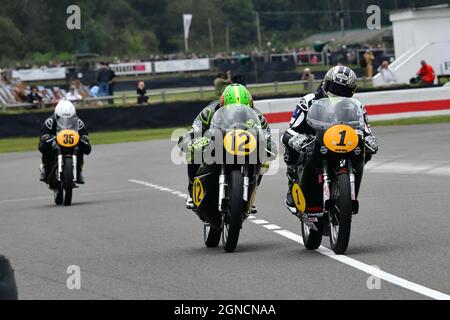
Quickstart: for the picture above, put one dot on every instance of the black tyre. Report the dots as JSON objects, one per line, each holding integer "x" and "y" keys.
{"x": 233, "y": 221}
{"x": 312, "y": 239}
{"x": 68, "y": 180}
{"x": 212, "y": 236}
{"x": 341, "y": 216}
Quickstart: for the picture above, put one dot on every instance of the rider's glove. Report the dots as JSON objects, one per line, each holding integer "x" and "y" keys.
{"x": 85, "y": 139}
{"x": 183, "y": 142}
{"x": 45, "y": 138}
{"x": 198, "y": 144}
{"x": 301, "y": 143}
{"x": 371, "y": 144}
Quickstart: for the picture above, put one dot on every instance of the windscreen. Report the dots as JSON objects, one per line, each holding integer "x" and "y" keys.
{"x": 235, "y": 117}
{"x": 70, "y": 123}
{"x": 327, "y": 112}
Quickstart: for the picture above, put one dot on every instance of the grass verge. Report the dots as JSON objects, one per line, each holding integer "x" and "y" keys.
{"x": 99, "y": 138}
{"x": 28, "y": 144}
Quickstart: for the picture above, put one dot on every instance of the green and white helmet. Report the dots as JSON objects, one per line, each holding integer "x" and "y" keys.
{"x": 236, "y": 94}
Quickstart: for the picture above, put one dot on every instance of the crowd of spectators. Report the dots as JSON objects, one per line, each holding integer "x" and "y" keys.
{"x": 13, "y": 91}
{"x": 18, "y": 92}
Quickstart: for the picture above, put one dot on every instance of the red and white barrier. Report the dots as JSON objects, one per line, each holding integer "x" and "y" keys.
{"x": 381, "y": 105}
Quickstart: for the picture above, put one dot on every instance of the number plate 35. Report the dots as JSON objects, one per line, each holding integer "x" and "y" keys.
{"x": 68, "y": 138}
{"x": 240, "y": 142}
{"x": 341, "y": 139}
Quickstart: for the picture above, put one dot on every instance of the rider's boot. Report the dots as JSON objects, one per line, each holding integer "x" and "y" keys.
{"x": 80, "y": 176}
{"x": 292, "y": 175}
{"x": 80, "y": 165}
{"x": 44, "y": 172}
{"x": 189, "y": 202}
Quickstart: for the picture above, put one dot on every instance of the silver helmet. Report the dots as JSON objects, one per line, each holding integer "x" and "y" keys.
{"x": 340, "y": 81}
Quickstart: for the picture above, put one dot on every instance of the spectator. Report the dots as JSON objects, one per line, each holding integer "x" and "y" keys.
{"x": 34, "y": 97}
{"x": 103, "y": 79}
{"x": 142, "y": 92}
{"x": 426, "y": 73}
{"x": 73, "y": 94}
{"x": 220, "y": 83}
{"x": 309, "y": 77}
{"x": 111, "y": 83}
{"x": 94, "y": 91}
{"x": 368, "y": 59}
{"x": 388, "y": 76}
{"x": 57, "y": 96}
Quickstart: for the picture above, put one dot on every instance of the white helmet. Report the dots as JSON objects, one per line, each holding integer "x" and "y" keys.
{"x": 65, "y": 109}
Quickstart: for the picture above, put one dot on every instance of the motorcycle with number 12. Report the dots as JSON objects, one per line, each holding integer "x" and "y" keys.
{"x": 224, "y": 191}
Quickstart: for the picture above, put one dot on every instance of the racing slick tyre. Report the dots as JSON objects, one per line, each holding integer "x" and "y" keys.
{"x": 68, "y": 180}
{"x": 233, "y": 219}
{"x": 341, "y": 215}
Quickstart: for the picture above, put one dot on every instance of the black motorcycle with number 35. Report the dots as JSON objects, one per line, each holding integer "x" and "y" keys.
{"x": 224, "y": 189}
{"x": 326, "y": 192}
{"x": 62, "y": 177}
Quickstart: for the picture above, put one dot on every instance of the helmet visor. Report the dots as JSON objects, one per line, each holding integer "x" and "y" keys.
{"x": 339, "y": 89}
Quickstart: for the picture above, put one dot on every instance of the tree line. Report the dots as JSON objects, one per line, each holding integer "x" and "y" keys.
{"x": 35, "y": 30}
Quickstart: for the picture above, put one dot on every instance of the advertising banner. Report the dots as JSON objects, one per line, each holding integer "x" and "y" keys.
{"x": 181, "y": 65}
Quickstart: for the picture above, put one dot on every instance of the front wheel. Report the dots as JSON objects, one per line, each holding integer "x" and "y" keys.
{"x": 341, "y": 215}
{"x": 233, "y": 218}
{"x": 68, "y": 180}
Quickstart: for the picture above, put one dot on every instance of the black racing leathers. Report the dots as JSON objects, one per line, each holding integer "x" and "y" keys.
{"x": 201, "y": 124}
{"x": 48, "y": 133}
{"x": 297, "y": 163}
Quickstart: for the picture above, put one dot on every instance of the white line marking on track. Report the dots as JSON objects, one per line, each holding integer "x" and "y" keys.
{"x": 388, "y": 277}
{"x": 272, "y": 227}
{"x": 260, "y": 221}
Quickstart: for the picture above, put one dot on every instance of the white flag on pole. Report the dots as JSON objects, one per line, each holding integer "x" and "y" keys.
{"x": 187, "y": 19}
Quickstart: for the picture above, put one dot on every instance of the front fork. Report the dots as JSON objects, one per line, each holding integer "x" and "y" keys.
{"x": 223, "y": 184}
{"x": 61, "y": 164}
{"x": 344, "y": 164}
{"x": 222, "y": 188}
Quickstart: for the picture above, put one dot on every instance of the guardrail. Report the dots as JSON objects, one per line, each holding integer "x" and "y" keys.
{"x": 273, "y": 88}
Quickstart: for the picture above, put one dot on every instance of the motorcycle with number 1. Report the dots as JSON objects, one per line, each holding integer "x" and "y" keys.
{"x": 325, "y": 193}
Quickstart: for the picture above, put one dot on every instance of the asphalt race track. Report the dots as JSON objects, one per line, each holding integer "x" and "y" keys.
{"x": 129, "y": 233}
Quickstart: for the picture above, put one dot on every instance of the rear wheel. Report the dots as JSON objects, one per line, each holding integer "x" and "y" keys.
{"x": 212, "y": 235}
{"x": 341, "y": 215}
{"x": 233, "y": 219}
{"x": 312, "y": 238}
{"x": 68, "y": 180}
